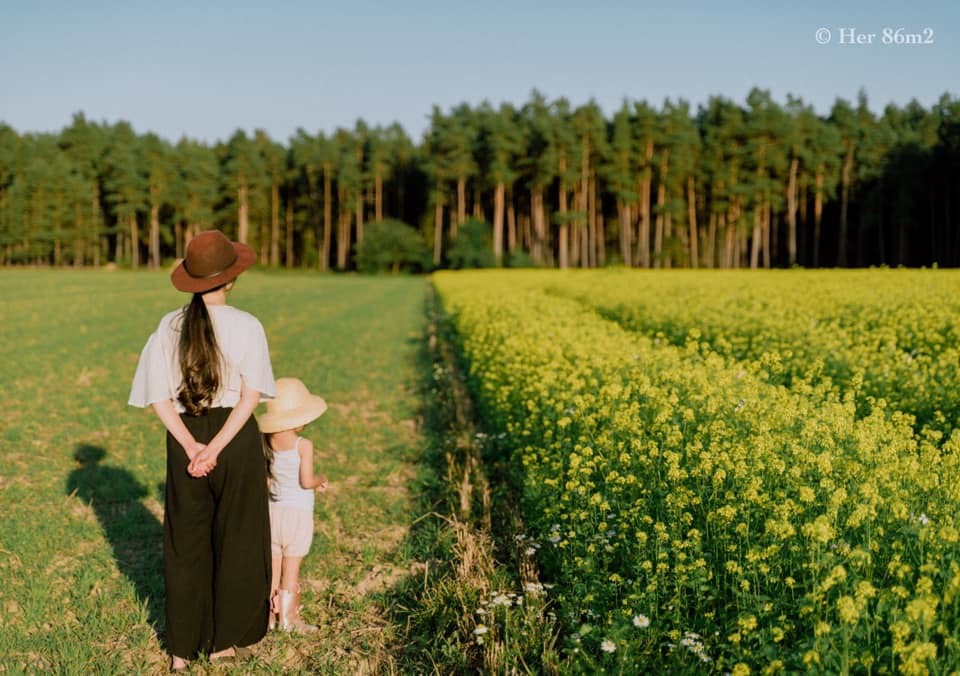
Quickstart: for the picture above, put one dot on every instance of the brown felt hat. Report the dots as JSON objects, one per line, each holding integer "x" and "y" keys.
{"x": 212, "y": 260}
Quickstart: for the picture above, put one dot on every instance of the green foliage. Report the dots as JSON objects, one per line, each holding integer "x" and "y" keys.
{"x": 736, "y": 178}
{"x": 392, "y": 246}
{"x": 472, "y": 246}
{"x": 518, "y": 258}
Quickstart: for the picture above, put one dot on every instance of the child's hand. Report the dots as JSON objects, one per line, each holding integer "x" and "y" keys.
{"x": 321, "y": 482}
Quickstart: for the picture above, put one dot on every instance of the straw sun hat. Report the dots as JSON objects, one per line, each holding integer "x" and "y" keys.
{"x": 212, "y": 260}
{"x": 293, "y": 406}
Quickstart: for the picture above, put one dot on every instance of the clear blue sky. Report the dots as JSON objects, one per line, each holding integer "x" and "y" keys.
{"x": 206, "y": 69}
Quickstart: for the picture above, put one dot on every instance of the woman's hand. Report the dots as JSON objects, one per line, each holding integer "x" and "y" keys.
{"x": 321, "y": 482}
{"x": 193, "y": 449}
{"x": 203, "y": 462}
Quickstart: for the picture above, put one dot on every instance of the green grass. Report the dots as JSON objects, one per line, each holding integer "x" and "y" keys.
{"x": 81, "y": 473}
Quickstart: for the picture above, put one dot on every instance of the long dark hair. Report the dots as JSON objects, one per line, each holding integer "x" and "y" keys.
{"x": 200, "y": 358}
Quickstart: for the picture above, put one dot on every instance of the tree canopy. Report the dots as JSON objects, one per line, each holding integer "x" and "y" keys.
{"x": 759, "y": 184}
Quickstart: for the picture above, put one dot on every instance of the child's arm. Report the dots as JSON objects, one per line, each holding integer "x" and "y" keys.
{"x": 307, "y": 478}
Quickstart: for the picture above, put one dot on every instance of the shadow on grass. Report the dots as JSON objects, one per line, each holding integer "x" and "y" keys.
{"x": 134, "y": 533}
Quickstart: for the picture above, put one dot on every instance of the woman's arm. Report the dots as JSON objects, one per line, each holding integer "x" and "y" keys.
{"x": 168, "y": 415}
{"x": 307, "y": 477}
{"x": 206, "y": 460}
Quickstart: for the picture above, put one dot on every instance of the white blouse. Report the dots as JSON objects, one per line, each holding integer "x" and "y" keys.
{"x": 242, "y": 342}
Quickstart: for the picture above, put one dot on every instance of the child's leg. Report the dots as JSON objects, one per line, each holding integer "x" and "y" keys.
{"x": 275, "y": 578}
{"x": 290, "y": 576}
{"x": 289, "y": 596}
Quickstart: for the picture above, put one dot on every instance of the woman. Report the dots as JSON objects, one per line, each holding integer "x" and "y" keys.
{"x": 204, "y": 371}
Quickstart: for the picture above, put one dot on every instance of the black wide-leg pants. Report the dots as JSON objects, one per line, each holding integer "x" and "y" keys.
{"x": 216, "y": 543}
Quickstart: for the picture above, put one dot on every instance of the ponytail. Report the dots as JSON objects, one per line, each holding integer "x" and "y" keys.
{"x": 200, "y": 360}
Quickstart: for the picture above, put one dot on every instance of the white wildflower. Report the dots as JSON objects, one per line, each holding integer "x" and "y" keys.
{"x": 533, "y": 588}
{"x": 608, "y": 646}
{"x": 641, "y": 621}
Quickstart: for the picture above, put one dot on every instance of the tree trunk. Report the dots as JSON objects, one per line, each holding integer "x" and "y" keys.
{"x": 756, "y": 242}
{"x": 792, "y": 213}
{"x": 643, "y": 237}
{"x": 326, "y": 236}
{"x": 134, "y": 241}
{"x": 846, "y": 178}
{"x": 289, "y": 237}
{"x": 343, "y": 231}
{"x": 592, "y": 225}
{"x": 498, "y": 223}
{"x": 602, "y": 236}
{"x": 817, "y": 216}
{"x": 667, "y": 238}
{"x": 359, "y": 216}
{"x": 154, "y": 235}
{"x": 711, "y": 253}
{"x": 661, "y": 206}
{"x": 658, "y": 231}
{"x": 178, "y": 238}
{"x": 478, "y": 205}
{"x": 563, "y": 244}
{"x": 511, "y": 223}
{"x": 378, "y": 197}
{"x": 623, "y": 214}
{"x": 584, "y": 204}
{"x": 243, "y": 212}
{"x": 461, "y": 200}
{"x": 767, "y": 261}
{"x": 692, "y": 222}
{"x": 524, "y": 233}
{"x": 263, "y": 239}
{"x": 539, "y": 225}
{"x": 578, "y": 244}
{"x": 275, "y": 224}
{"x": 95, "y": 223}
{"x": 438, "y": 228}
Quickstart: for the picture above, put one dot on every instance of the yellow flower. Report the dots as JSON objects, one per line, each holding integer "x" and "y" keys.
{"x": 848, "y": 609}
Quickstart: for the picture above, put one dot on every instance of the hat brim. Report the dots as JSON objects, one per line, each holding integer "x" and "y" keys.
{"x": 280, "y": 421}
{"x": 184, "y": 281}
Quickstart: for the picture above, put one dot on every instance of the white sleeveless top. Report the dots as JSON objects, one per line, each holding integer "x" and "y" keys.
{"x": 286, "y": 486}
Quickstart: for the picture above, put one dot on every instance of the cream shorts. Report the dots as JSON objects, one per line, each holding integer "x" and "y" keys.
{"x": 291, "y": 530}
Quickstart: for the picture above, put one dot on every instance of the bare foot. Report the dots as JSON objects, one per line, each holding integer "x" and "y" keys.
{"x": 223, "y": 654}
{"x": 177, "y": 663}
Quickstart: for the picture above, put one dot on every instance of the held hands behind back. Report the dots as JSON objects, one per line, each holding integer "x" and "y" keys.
{"x": 202, "y": 462}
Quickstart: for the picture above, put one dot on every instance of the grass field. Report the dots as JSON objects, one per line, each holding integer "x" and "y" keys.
{"x": 81, "y": 473}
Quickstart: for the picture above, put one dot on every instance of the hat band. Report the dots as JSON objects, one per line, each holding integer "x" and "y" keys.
{"x": 212, "y": 274}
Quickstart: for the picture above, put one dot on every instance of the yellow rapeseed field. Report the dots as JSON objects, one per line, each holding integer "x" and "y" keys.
{"x": 741, "y": 472}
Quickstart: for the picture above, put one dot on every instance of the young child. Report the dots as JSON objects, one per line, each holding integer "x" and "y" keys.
{"x": 292, "y": 485}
